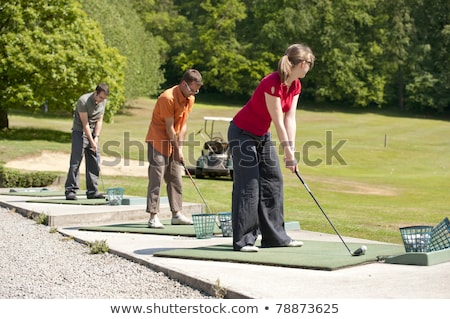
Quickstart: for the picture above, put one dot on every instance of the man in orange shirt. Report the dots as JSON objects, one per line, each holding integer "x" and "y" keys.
{"x": 164, "y": 138}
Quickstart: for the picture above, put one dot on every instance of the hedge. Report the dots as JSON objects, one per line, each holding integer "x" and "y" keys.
{"x": 15, "y": 178}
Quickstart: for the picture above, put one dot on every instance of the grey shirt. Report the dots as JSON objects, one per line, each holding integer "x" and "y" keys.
{"x": 86, "y": 103}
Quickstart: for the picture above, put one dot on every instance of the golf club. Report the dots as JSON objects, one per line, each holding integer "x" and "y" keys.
{"x": 195, "y": 185}
{"x": 198, "y": 191}
{"x": 99, "y": 170}
{"x": 358, "y": 252}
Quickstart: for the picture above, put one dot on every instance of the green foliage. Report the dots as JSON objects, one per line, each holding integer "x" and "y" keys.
{"x": 218, "y": 53}
{"x": 369, "y": 53}
{"x": 124, "y": 30}
{"x": 51, "y": 52}
{"x": 428, "y": 85}
{"x": 15, "y": 178}
{"x": 173, "y": 32}
{"x": 272, "y": 25}
{"x": 31, "y": 133}
{"x": 98, "y": 247}
{"x": 348, "y": 53}
{"x": 164, "y": 21}
{"x": 41, "y": 219}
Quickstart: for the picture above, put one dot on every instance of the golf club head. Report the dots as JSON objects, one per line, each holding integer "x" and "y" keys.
{"x": 360, "y": 251}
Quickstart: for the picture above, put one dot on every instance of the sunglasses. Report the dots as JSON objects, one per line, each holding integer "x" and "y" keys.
{"x": 191, "y": 90}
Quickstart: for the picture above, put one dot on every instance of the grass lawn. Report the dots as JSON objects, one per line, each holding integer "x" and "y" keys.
{"x": 371, "y": 173}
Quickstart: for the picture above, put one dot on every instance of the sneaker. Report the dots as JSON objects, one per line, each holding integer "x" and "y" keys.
{"x": 95, "y": 196}
{"x": 71, "y": 196}
{"x": 155, "y": 223}
{"x": 294, "y": 243}
{"x": 249, "y": 249}
{"x": 180, "y": 219}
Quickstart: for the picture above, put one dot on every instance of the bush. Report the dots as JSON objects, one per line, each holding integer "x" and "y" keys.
{"x": 98, "y": 247}
{"x": 15, "y": 178}
{"x": 41, "y": 219}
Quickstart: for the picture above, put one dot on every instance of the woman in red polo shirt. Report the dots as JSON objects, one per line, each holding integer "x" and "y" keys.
{"x": 257, "y": 198}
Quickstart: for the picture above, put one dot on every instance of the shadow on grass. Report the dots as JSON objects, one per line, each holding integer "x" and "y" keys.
{"x": 29, "y": 134}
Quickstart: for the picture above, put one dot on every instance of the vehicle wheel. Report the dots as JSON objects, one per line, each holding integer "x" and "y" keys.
{"x": 198, "y": 173}
{"x": 231, "y": 174}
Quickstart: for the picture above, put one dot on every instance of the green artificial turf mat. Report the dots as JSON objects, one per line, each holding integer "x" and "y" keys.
{"x": 79, "y": 201}
{"x": 141, "y": 228}
{"x": 84, "y": 201}
{"x": 319, "y": 255}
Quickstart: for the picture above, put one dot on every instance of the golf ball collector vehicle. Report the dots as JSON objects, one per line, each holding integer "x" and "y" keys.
{"x": 215, "y": 160}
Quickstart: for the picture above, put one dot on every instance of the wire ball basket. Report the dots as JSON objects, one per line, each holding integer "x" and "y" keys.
{"x": 427, "y": 238}
{"x": 440, "y": 236}
{"x": 114, "y": 195}
{"x": 204, "y": 225}
{"x": 225, "y": 224}
{"x": 416, "y": 238}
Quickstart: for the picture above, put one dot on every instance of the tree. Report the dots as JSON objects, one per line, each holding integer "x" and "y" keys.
{"x": 399, "y": 29}
{"x": 50, "y": 52}
{"x": 428, "y": 86}
{"x": 172, "y": 31}
{"x": 349, "y": 51}
{"x": 368, "y": 52}
{"x": 218, "y": 53}
{"x": 124, "y": 30}
{"x": 270, "y": 27}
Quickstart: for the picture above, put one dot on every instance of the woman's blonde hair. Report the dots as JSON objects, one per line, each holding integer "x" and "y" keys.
{"x": 294, "y": 54}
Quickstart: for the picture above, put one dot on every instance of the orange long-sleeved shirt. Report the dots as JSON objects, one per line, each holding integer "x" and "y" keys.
{"x": 171, "y": 103}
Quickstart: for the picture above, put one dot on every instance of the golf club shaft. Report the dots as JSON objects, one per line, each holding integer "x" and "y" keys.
{"x": 323, "y": 212}
{"x": 195, "y": 185}
{"x": 99, "y": 170}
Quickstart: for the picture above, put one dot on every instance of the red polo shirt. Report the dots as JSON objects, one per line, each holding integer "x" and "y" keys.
{"x": 254, "y": 117}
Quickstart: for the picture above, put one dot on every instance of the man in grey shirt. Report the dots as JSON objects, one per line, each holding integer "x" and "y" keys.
{"x": 87, "y": 125}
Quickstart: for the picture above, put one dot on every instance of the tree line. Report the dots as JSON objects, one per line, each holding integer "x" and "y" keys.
{"x": 372, "y": 52}
{"x": 369, "y": 53}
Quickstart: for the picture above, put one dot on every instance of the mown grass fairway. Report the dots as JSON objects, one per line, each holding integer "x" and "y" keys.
{"x": 371, "y": 173}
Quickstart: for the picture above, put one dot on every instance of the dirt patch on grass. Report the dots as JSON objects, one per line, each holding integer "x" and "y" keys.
{"x": 59, "y": 162}
{"x": 353, "y": 187}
